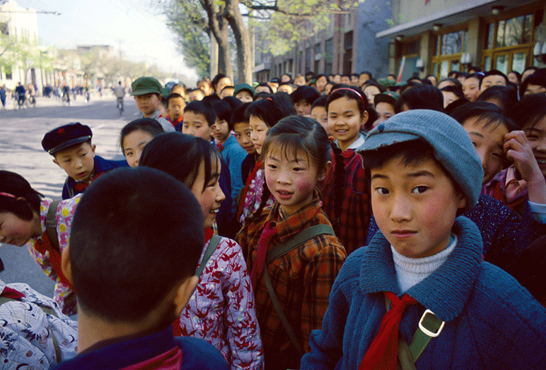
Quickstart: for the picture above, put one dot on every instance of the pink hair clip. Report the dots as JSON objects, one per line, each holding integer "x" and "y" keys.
{"x": 352, "y": 90}
{"x": 8, "y": 195}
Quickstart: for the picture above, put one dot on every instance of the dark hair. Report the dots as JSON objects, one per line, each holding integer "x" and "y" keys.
{"x": 272, "y": 109}
{"x": 537, "y": 78}
{"x": 475, "y": 69}
{"x": 454, "y": 81}
{"x": 320, "y": 102}
{"x": 202, "y": 107}
{"x": 316, "y": 77}
{"x": 298, "y": 133}
{"x": 148, "y": 125}
{"x": 477, "y": 76}
{"x": 228, "y": 87}
{"x": 517, "y": 74}
{"x": 180, "y": 156}
{"x": 346, "y": 75}
{"x": 222, "y": 110}
{"x": 421, "y": 97}
{"x": 367, "y": 73}
{"x": 506, "y": 96}
{"x": 495, "y": 72}
{"x": 125, "y": 270}
{"x": 530, "y": 68}
{"x": 217, "y": 79}
{"x": 457, "y": 90}
{"x": 488, "y": 114}
{"x": 381, "y": 88}
{"x": 528, "y": 111}
{"x": 304, "y": 92}
{"x": 349, "y": 92}
{"x": 261, "y": 95}
{"x": 289, "y": 76}
{"x": 14, "y": 184}
{"x": 196, "y": 89}
{"x": 436, "y": 78}
{"x": 266, "y": 85}
{"x": 232, "y": 101}
{"x": 174, "y": 96}
{"x": 238, "y": 115}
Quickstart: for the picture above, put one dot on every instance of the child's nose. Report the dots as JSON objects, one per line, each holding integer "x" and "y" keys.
{"x": 400, "y": 210}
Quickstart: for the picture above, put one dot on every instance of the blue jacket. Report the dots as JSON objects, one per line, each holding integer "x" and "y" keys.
{"x": 491, "y": 322}
{"x": 196, "y": 353}
{"x": 234, "y": 156}
{"x": 101, "y": 165}
{"x": 505, "y": 235}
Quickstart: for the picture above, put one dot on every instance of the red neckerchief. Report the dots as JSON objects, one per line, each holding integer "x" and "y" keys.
{"x": 383, "y": 351}
{"x": 220, "y": 147}
{"x": 170, "y": 360}
{"x": 43, "y": 245}
{"x": 177, "y": 330}
{"x": 174, "y": 123}
{"x": 12, "y": 293}
{"x": 252, "y": 175}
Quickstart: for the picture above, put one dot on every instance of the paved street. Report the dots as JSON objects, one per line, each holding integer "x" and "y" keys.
{"x": 21, "y": 133}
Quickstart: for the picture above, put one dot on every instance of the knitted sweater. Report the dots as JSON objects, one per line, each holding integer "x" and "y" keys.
{"x": 491, "y": 322}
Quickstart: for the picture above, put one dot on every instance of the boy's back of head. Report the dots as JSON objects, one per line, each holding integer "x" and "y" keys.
{"x": 137, "y": 235}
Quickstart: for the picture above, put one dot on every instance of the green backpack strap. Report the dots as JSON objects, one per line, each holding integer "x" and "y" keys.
{"x": 300, "y": 238}
{"x": 280, "y": 250}
{"x": 51, "y": 225}
{"x": 430, "y": 326}
{"x": 46, "y": 310}
{"x": 213, "y": 244}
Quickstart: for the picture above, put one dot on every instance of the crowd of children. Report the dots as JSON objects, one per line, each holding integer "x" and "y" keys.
{"x": 320, "y": 222}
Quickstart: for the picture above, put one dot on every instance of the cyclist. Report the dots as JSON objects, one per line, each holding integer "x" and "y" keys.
{"x": 119, "y": 92}
{"x": 21, "y": 94}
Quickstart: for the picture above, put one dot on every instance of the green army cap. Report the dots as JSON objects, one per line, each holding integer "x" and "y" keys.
{"x": 146, "y": 85}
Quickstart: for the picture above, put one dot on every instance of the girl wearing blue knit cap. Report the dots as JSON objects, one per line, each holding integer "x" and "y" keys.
{"x": 420, "y": 294}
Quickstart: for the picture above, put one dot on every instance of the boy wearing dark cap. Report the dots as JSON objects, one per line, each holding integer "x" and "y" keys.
{"x": 244, "y": 92}
{"x": 133, "y": 275}
{"x": 71, "y": 147}
{"x": 147, "y": 92}
{"x": 419, "y": 294}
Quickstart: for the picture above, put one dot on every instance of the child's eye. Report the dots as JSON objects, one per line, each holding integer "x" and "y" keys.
{"x": 237, "y": 135}
{"x": 298, "y": 169}
{"x": 382, "y": 191}
{"x": 419, "y": 189}
{"x": 475, "y": 145}
{"x": 271, "y": 166}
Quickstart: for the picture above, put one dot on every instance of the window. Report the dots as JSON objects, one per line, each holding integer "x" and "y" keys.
{"x": 508, "y": 43}
{"x": 329, "y": 57}
{"x": 448, "y": 52}
{"x": 308, "y": 59}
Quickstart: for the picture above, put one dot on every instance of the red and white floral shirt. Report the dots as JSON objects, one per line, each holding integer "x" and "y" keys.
{"x": 222, "y": 309}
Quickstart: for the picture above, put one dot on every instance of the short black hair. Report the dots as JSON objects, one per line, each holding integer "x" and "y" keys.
{"x": 320, "y": 102}
{"x": 222, "y": 110}
{"x": 174, "y": 96}
{"x": 487, "y": 113}
{"x": 366, "y": 73}
{"x": 148, "y": 125}
{"x": 238, "y": 115}
{"x": 125, "y": 270}
{"x": 202, "y": 107}
{"x": 272, "y": 109}
{"x": 507, "y": 96}
{"x": 538, "y": 77}
{"x": 528, "y": 111}
{"x": 232, "y": 101}
{"x": 266, "y": 85}
{"x": 457, "y": 90}
{"x": 217, "y": 79}
{"x": 16, "y": 185}
{"x": 304, "y": 92}
{"x": 495, "y": 72}
{"x": 421, "y": 97}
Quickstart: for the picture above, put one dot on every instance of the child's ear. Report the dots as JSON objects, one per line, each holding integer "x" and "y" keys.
{"x": 462, "y": 200}
{"x": 324, "y": 172}
{"x": 364, "y": 118}
{"x": 184, "y": 292}
{"x": 56, "y": 162}
{"x": 93, "y": 147}
{"x": 66, "y": 267}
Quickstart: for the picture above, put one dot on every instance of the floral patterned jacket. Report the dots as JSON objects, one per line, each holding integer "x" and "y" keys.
{"x": 63, "y": 294}
{"x": 26, "y": 339}
{"x": 222, "y": 309}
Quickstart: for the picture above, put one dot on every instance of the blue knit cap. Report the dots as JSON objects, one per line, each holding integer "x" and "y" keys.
{"x": 451, "y": 144}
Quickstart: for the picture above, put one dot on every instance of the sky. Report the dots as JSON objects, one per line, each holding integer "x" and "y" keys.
{"x": 138, "y": 25}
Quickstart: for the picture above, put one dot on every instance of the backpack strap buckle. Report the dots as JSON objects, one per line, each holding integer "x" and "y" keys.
{"x": 430, "y": 324}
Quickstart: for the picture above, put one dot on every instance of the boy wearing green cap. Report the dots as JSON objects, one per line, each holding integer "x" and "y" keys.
{"x": 147, "y": 92}
{"x": 420, "y": 293}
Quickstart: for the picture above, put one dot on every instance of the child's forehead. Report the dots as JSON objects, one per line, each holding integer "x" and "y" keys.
{"x": 240, "y": 125}
{"x": 194, "y": 115}
{"x": 319, "y": 108}
{"x": 485, "y": 124}
{"x": 286, "y": 153}
{"x": 73, "y": 149}
{"x": 176, "y": 100}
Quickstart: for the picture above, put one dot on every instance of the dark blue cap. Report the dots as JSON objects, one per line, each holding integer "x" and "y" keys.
{"x": 65, "y": 136}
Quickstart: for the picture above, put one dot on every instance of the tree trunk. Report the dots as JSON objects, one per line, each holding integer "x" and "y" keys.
{"x": 219, "y": 27}
{"x": 242, "y": 39}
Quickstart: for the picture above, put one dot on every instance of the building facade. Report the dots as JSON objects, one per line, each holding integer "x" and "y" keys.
{"x": 438, "y": 36}
{"x": 348, "y": 44}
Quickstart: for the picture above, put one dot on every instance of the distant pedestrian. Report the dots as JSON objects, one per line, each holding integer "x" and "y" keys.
{"x": 3, "y": 96}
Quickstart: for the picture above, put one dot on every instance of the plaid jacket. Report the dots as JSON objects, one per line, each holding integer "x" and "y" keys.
{"x": 352, "y": 225}
{"x": 302, "y": 280}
